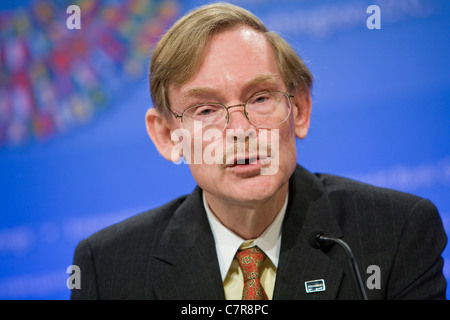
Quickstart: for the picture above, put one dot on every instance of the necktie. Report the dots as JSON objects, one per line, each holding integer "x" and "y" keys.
{"x": 250, "y": 261}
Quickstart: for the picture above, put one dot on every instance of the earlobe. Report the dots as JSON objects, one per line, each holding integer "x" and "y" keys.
{"x": 301, "y": 105}
{"x": 160, "y": 131}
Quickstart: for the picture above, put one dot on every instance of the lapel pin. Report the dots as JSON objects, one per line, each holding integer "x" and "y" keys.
{"x": 315, "y": 286}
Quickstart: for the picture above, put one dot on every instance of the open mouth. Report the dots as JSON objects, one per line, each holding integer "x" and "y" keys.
{"x": 244, "y": 161}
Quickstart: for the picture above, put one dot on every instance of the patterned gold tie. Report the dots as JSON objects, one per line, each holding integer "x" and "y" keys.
{"x": 250, "y": 261}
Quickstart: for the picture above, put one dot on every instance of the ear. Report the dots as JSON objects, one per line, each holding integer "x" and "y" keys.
{"x": 160, "y": 130}
{"x": 301, "y": 108}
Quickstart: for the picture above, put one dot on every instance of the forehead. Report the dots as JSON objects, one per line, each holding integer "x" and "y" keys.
{"x": 234, "y": 60}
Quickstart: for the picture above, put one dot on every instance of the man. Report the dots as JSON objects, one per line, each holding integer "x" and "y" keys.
{"x": 222, "y": 83}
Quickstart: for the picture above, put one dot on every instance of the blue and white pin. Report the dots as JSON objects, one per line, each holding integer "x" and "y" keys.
{"x": 313, "y": 286}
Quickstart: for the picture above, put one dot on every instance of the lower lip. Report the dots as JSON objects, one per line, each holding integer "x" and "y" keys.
{"x": 252, "y": 168}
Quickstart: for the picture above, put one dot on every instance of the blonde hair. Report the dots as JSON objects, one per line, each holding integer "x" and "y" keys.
{"x": 179, "y": 53}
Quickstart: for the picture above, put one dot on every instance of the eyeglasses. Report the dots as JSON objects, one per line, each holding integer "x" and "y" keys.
{"x": 265, "y": 110}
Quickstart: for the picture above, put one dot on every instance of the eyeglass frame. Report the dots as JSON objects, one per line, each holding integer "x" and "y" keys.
{"x": 288, "y": 96}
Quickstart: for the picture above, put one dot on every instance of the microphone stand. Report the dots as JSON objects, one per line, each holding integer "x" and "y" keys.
{"x": 351, "y": 259}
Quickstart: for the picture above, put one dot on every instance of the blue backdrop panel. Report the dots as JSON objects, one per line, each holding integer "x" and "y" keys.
{"x": 74, "y": 152}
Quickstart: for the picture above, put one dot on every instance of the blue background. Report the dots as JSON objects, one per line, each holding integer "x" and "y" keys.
{"x": 381, "y": 114}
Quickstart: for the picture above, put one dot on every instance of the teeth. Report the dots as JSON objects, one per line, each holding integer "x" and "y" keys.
{"x": 246, "y": 161}
{"x": 252, "y": 160}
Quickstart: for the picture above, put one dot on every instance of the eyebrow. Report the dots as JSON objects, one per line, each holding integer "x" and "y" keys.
{"x": 262, "y": 78}
{"x": 203, "y": 92}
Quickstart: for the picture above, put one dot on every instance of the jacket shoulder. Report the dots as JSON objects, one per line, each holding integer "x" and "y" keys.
{"x": 360, "y": 204}
{"x": 148, "y": 224}
{"x": 341, "y": 190}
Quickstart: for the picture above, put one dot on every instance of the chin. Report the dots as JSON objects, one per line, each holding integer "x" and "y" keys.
{"x": 238, "y": 189}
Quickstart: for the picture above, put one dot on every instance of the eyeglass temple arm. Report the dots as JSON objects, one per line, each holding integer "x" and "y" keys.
{"x": 175, "y": 114}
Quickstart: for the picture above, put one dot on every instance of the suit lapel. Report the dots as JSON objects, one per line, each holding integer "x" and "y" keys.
{"x": 185, "y": 264}
{"x": 308, "y": 211}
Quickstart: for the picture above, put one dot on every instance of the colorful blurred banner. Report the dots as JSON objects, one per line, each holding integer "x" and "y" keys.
{"x": 53, "y": 78}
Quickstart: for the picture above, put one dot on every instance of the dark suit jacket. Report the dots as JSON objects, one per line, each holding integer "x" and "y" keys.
{"x": 169, "y": 252}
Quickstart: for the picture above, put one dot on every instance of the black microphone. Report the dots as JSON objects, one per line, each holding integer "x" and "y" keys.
{"x": 318, "y": 241}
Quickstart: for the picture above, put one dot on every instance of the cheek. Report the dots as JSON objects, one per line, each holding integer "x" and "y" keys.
{"x": 207, "y": 152}
{"x": 205, "y": 159}
{"x": 287, "y": 135}
{"x": 288, "y": 145}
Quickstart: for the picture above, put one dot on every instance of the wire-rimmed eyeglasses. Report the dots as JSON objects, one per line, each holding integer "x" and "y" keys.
{"x": 265, "y": 110}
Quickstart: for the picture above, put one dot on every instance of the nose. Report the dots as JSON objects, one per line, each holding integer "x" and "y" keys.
{"x": 237, "y": 118}
{"x": 239, "y": 127}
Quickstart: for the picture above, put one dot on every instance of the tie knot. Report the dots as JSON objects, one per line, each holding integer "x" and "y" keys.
{"x": 250, "y": 260}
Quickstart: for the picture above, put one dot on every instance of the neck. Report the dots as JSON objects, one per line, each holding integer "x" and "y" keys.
{"x": 250, "y": 219}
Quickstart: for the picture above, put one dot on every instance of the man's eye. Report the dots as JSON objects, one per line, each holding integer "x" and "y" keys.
{"x": 205, "y": 112}
{"x": 260, "y": 99}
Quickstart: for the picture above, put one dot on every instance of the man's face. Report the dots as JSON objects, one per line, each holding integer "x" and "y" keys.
{"x": 238, "y": 64}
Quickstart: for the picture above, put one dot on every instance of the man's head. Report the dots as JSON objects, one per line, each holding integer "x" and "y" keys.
{"x": 223, "y": 54}
{"x": 180, "y": 51}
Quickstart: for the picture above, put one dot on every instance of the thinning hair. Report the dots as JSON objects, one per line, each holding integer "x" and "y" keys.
{"x": 178, "y": 55}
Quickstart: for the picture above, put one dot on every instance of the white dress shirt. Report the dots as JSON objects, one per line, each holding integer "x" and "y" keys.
{"x": 227, "y": 242}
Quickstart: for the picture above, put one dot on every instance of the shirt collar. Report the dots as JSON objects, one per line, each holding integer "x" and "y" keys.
{"x": 227, "y": 242}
